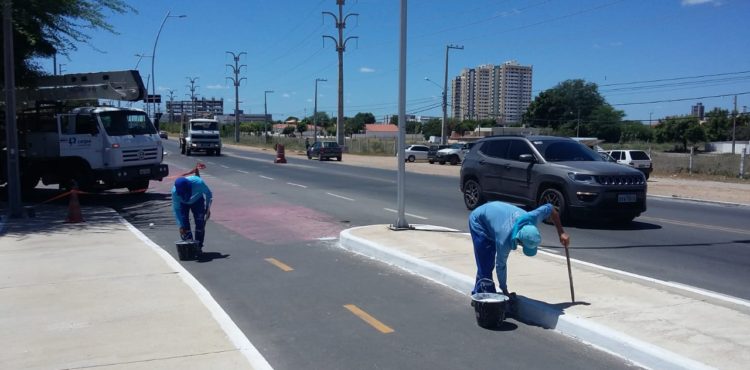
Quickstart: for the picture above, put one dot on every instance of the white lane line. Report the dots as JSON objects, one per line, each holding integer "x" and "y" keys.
{"x": 265, "y": 177}
{"x": 210, "y": 162}
{"x": 243, "y": 171}
{"x": 298, "y": 185}
{"x": 340, "y": 196}
{"x": 408, "y": 214}
{"x": 224, "y": 166}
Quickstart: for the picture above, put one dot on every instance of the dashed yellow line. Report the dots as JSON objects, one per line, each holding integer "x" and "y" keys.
{"x": 375, "y": 323}
{"x": 281, "y": 265}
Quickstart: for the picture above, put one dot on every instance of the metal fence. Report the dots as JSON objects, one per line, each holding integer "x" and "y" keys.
{"x": 729, "y": 165}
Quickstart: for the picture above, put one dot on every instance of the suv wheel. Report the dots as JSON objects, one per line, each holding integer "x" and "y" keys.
{"x": 454, "y": 160}
{"x": 556, "y": 198}
{"x": 411, "y": 158}
{"x": 473, "y": 197}
{"x": 432, "y": 161}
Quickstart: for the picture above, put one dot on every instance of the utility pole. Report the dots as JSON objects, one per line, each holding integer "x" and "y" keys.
{"x": 171, "y": 105}
{"x": 443, "y": 136}
{"x": 340, "y": 48}
{"x": 315, "y": 108}
{"x": 192, "y": 87}
{"x": 578, "y": 124}
{"x": 734, "y": 122}
{"x": 265, "y": 108}
{"x": 401, "y": 223}
{"x": 11, "y": 135}
{"x": 236, "y": 80}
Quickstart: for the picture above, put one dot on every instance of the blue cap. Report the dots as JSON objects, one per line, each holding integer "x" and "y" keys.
{"x": 530, "y": 239}
{"x": 183, "y": 188}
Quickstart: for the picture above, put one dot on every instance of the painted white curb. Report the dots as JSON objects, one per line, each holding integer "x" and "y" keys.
{"x": 632, "y": 349}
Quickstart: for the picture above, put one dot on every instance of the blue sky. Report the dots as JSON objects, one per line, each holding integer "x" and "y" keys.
{"x": 601, "y": 41}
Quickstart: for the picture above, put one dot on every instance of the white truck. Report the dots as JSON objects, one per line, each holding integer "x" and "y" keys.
{"x": 200, "y": 135}
{"x": 96, "y": 147}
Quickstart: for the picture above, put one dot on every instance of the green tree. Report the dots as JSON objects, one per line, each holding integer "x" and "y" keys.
{"x": 675, "y": 129}
{"x": 561, "y": 106}
{"x": 288, "y": 130}
{"x": 357, "y": 123}
{"x": 43, "y": 28}
{"x": 718, "y": 125}
{"x": 301, "y": 128}
{"x": 635, "y": 131}
{"x": 433, "y": 127}
{"x": 413, "y": 127}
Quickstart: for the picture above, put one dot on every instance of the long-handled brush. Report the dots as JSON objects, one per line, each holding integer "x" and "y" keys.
{"x": 570, "y": 276}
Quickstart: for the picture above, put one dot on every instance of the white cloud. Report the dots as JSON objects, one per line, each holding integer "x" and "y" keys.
{"x": 285, "y": 95}
{"x": 701, "y": 2}
{"x": 366, "y": 70}
{"x": 216, "y": 87}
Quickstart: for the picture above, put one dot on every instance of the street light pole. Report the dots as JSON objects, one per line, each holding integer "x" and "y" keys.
{"x": 401, "y": 223}
{"x": 265, "y": 108}
{"x": 236, "y": 68}
{"x": 443, "y": 139}
{"x": 15, "y": 206}
{"x": 153, "y": 53}
{"x": 315, "y": 109}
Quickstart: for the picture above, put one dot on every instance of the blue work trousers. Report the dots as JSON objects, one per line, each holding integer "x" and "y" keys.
{"x": 484, "y": 254}
{"x": 199, "y": 215}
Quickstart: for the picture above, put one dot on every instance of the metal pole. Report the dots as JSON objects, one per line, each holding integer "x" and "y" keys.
{"x": 315, "y": 109}
{"x": 401, "y": 223}
{"x": 265, "y": 107}
{"x": 734, "y": 122}
{"x": 578, "y": 125}
{"x": 690, "y": 163}
{"x": 15, "y": 207}
{"x": 443, "y": 133}
{"x": 742, "y": 163}
{"x": 153, "y": 55}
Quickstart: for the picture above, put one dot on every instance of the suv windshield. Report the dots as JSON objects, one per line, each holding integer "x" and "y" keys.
{"x": 208, "y": 126}
{"x": 564, "y": 151}
{"x": 121, "y": 123}
{"x": 330, "y": 144}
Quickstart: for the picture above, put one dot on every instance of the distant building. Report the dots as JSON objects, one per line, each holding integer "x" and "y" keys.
{"x": 499, "y": 92}
{"x": 698, "y": 111}
{"x": 229, "y": 118}
{"x": 198, "y": 108}
{"x": 411, "y": 118}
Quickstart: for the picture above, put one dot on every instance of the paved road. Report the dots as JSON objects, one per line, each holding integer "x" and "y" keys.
{"x": 272, "y": 263}
{"x": 697, "y": 244}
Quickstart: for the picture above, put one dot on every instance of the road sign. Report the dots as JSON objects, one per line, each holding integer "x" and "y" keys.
{"x": 153, "y": 98}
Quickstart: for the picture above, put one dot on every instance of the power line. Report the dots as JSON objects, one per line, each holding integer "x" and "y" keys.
{"x": 682, "y": 99}
{"x": 675, "y": 78}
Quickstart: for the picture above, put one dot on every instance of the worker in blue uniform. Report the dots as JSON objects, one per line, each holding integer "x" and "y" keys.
{"x": 496, "y": 229}
{"x": 191, "y": 194}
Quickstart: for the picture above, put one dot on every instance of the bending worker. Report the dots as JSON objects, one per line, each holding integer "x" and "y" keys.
{"x": 191, "y": 194}
{"x": 496, "y": 229}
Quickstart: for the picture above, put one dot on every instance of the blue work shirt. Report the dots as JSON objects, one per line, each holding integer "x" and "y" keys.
{"x": 494, "y": 222}
{"x": 198, "y": 191}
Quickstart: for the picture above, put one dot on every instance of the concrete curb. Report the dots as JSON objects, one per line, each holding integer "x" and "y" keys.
{"x": 697, "y": 200}
{"x": 539, "y": 313}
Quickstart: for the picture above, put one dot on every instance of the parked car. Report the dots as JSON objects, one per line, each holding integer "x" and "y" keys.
{"x": 324, "y": 150}
{"x": 534, "y": 170}
{"x": 163, "y": 135}
{"x": 416, "y": 152}
{"x": 637, "y": 159}
{"x": 432, "y": 152}
{"x": 454, "y": 154}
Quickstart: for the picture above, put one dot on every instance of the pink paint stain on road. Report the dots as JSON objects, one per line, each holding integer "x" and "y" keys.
{"x": 259, "y": 217}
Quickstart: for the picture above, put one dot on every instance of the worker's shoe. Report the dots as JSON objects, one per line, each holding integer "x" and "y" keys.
{"x": 511, "y": 309}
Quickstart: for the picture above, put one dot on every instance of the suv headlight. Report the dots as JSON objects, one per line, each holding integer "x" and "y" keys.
{"x": 582, "y": 178}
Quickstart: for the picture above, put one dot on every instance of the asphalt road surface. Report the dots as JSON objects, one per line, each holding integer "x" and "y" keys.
{"x": 696, "y": 244}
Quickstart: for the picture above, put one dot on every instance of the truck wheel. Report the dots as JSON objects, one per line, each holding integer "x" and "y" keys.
{"x": 29, "y": 182}
{"x": 138, "y": 185}
{"x": 182, "y": 148}
{"x": 218, "y": 152}
{"x": 454, "y": 160}
{"x": 187, "y": 152}
{"x": 441, "y": 162}
{"x": 432, "y": 161}
{"x": 320, "y": 157}
{"x": 338, "y": 158}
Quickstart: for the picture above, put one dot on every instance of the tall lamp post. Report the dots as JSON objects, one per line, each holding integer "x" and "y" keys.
{"x": 443, "y": 102}
{"x": 153, "y": 53}
{"x": 443, "y": 138}
{"x": 265, "y": 107}
{"x": 315, "y": 109}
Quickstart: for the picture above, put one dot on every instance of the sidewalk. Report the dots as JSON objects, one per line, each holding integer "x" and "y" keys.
{"x": 651, "y": 323}
{"x": 99, "y": 294}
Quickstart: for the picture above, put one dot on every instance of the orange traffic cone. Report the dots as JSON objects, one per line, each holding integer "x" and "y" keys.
{"x": 280, "y": 157}
{"x": 74, "y": 208}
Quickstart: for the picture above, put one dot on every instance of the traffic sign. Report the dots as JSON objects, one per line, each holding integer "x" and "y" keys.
{"x": 153, "y": 98}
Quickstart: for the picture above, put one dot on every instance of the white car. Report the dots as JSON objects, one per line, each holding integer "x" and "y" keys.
{"x": 637, "y": 159}
{"x": 416, "y": 152}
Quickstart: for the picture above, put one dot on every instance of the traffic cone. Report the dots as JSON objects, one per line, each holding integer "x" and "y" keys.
{"x": 280, "y": 157}
{"x": 74, "y": 208}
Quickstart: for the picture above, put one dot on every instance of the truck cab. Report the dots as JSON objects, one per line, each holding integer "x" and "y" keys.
{"x": 200, "y": 135}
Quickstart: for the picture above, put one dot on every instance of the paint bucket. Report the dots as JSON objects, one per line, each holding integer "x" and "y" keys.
{"x": 187, "y": 250}
{"x": 489, "y": 309}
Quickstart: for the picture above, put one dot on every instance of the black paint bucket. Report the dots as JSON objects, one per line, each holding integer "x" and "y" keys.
{"x": 187, "y": 250}
{"x": 489, "y": 309}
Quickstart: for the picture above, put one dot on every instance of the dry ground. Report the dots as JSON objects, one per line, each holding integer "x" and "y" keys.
{"x": 674, "y": 186}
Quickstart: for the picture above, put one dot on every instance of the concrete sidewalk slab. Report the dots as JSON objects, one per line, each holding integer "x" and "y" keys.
{"x": 96, "y": 294}
{"x": 652, "y": 324}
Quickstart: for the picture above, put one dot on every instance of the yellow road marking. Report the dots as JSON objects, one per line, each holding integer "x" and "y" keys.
{"x": 383, "y": 328}
{"x": 692, "y": 224}
{"x": 284, "y": 267}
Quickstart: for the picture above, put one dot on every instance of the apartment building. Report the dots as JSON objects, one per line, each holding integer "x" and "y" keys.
{"x": 500, "y": 92}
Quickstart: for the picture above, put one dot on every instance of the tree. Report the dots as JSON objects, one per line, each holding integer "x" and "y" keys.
{"x": 433, "y": 127}
{"x": 357, "y": 123}
{"x": 562, "y": 105}
{"x": 718, "y": 125}
{"x": 301, "y": 128}
{"x": 288, "y": 130}
{"x": 43, "y": 28}
{"x": 675, "y": 129}
{"x": 413, "y": 127}
{"x": 635, "y": 131}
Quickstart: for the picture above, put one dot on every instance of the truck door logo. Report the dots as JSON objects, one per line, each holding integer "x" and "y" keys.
{"x": 141, "y": 155}
{"x": 72, "y": 141}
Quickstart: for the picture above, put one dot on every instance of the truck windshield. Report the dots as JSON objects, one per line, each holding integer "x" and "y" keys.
{"x": 208, "y": 126}
{"x": 121, "y": 123}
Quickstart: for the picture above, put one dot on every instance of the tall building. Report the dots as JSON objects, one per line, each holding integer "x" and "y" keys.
{"x": 500, "y": 92}
{"x": 698, "y": 111}
{"x": 199, "y": 108}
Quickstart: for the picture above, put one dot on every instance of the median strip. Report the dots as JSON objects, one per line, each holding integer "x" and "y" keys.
{"x": 375, "y": 323}
{"x": 281, "y": 265}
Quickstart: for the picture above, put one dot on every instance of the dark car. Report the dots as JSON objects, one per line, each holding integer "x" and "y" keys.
{"x": 324, "y": 150}
{"x": 534, "y": 170}
{"x": 163, "y": 135}
{"x": 432, "y": 152}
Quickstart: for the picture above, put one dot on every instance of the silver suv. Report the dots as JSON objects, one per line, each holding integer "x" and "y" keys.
{"x": 534, "y": 170}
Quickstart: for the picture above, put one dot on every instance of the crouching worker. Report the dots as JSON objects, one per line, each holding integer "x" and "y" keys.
{"x": 191, "y": 194}
{"x": 496, "y": 229}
